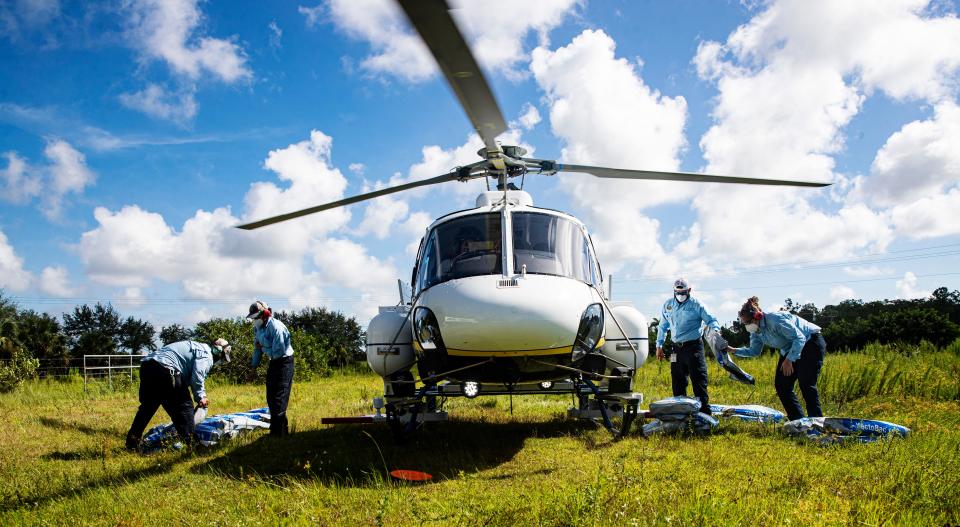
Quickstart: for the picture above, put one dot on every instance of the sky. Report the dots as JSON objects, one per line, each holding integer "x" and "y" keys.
{"x": 136, "y": 134}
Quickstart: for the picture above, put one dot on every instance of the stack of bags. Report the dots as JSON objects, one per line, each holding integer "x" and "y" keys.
{"x": 210, "y": 430}
{"x": 829, "y": 430}
{"x": 678, "y": 413}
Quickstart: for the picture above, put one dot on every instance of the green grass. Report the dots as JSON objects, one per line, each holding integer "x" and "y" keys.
{"x": 62, "y": 461}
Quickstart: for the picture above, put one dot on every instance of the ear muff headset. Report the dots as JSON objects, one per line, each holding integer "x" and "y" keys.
{"x": 753, "y": 313}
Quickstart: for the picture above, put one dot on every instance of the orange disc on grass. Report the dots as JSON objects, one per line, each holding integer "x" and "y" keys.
{"x": 411, "y": 475}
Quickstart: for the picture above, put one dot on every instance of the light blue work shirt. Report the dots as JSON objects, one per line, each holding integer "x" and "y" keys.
{"x": 191, "y": 359}
{"x": 782, "y": 330}
{"x": 683, "y": 320}
{"x": 272, "y": 340}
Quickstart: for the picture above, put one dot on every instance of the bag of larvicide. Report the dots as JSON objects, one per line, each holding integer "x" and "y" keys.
{"x": 675, "y": 405}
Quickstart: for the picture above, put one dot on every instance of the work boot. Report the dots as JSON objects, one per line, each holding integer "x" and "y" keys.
{"x": 133, "y": 444}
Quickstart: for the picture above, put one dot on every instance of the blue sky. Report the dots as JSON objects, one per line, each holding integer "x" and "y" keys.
{"x": 134, "y": 135}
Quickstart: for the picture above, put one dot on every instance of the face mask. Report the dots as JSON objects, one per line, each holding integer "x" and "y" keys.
{"x": 258, "y": 323}
{"x": 681, "y": 297}
{"x": 752, "y": 327}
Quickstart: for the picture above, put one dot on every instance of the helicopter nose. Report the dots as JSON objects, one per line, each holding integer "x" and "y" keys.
{"x": 480, "y": 316}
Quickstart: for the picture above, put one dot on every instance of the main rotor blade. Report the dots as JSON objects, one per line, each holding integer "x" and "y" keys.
{"x": 432, "y": 20}
{"x": 620, "y": 173}
{"x": 452, "y": 176}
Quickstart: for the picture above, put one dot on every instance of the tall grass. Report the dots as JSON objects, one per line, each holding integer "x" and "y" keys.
{"x": 884, "y": 370}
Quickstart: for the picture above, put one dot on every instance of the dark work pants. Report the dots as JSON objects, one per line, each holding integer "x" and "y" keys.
{"x": 806, "y": 371}
{"x": 690, "y": 363}
{"x": 159, "y": 388}
{"x": 279, "y": 382}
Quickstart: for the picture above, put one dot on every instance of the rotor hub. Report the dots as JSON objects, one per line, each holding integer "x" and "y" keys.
{"x": 508, "y": 150}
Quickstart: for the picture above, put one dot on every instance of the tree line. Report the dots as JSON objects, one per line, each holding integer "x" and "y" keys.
{"x": 852, "y": 324}
{"x": 38, "y": 343}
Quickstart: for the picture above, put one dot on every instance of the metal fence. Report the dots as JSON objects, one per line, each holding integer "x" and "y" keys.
{"x": 109, "y": 366}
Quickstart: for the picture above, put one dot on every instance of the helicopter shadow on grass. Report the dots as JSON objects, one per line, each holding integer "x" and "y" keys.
{"x": 84, "y": 454}
{"x": 60, "y": 424}
{"x": 361, "y": 455}
{"x": 121, "y": 479}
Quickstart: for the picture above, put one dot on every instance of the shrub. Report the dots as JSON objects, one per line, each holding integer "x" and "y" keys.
{"x": 954, "y": 347}
{"x": 240, "y": 335}
{"x": 313, "y": 355}
{"x": 14, "y": 371}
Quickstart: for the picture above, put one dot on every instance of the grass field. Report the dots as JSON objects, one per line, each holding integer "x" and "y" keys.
{"x": 62, "y": 459}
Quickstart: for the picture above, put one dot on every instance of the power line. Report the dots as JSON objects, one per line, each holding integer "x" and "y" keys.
{"x": 801, "y": 266}
{"x": 187, "y": 301}
{"x": 778, "y": 286}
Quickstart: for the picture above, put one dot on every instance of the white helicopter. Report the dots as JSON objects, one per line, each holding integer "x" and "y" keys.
{"x": 506, "y": 298}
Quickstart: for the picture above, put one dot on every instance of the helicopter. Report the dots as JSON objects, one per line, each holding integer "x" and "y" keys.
{"x": 505, "y": 298}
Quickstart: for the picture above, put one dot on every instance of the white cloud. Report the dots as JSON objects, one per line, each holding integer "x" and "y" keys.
{"x": 357, "y": 168}
{"x": 908, "y": 288}
{"x": 276, "y": 34}
{"x": 55, "y": 281}
{"x": 921, "y": 160}
{"x": 18, "y": 17}
{"x": 131, "y": 296}
{"x": 496, "y": 30}
{"x": 346, "y": 263}
{"x": 157, "y": 102}
{"x": 869, "y": 271}
{"x": 209, "y": 258}
{"x": 381, "y": 215}
{"x": 789, "y": 82}
{"x": 841, "y": 292}
{"x": 36, "y": 13}
{"x": 415, "y": 226}
{"x": 19, "y": 183}
{"x": 312, "y": 181}
{"x": 12, "y": 274}
{"x": 170, "y": 30}
{"x": 899, "y": 46}
{"x": 313, "y": 15}
{"x": 929, "y": 217}
{"x": 65, "y": 173}
{"x": 530, "y": 117}
{"x": 607, "y": 115}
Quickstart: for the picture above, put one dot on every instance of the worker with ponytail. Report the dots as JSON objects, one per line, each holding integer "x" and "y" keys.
{"x": 801, "y": 349}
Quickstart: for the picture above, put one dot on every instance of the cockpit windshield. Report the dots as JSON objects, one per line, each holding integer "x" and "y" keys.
{"x": 467, "y": 246}
{"x": 548, "y": 244}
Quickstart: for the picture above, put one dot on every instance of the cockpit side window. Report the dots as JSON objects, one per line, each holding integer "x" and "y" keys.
{"x": 548, "y": 244}
{"x": 465, "y": 246}
{"x": 427, "y": 267}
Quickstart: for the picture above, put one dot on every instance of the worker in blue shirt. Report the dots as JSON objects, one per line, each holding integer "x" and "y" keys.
{"x": 682, "y": 316}
{"x": 167, "y": 376}
{"x": 271, "y": 338}
{"x": 801, "y": 347}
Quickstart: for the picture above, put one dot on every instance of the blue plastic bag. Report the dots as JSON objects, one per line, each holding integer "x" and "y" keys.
{"x": 748, "y": 412}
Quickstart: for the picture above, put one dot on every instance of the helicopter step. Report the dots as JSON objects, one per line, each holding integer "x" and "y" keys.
{"x": 605, "y": 407}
